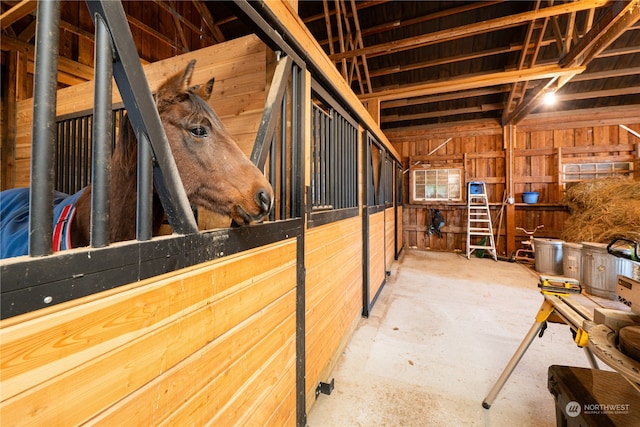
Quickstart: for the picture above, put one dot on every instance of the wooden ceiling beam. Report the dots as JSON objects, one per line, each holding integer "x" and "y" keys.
{"x": 78, "y": 72}
{"x": 208, "y": 21}
{"x": 618, "y": 17}
{"x": 580, "y": 118}
{"x": 181, "y": 19}
{"x": 524, "y": 53}
{"x": 471, "y": 29}
{"x": 632, "y": 90}
{"x": 609, "y": 74}
{"x": 389, "y": 118}
{"x": 361, "y": 5}
{"x": 627, "y": 50}
{"x": 473, "y": 82}
{"x": 393, "y": 25}
{"x": 17, "y": 12}
{"x": 407, "y": 102}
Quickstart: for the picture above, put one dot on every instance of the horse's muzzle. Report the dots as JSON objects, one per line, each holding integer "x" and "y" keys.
{"x": 264, "y": 200}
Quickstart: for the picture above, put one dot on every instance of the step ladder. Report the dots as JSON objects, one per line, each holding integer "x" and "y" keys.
{"x": 479, "y": 229}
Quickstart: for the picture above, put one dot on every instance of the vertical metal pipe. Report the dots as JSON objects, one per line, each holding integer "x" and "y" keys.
{"x": 324, "y": 157}
{"x": 102, "y": 118}
{"x": 73, "y": 153}
{"x": 321, "y": 160}
{"x": 353, "y": 167}
{"x": 58, "y": 163}
{"x": 316, "y": 156}
{"x": 273, "y": 173}
{"x": 63, "y": 155}
{"x": 295, "y": 141}
{"x": 341, "y": 159}
{"x": 145, "y": 189}
{"x": 86, "y": 169}
{"x": 333, "y": 160}
{"x": 283, "y": 156}
{"x": 44, "y": 128}
{"x": 79, "y": 154}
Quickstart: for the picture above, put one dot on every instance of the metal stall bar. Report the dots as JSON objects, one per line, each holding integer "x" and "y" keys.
{"x": 102, "y": 125}
{"x": 143, "y": 115}
{"x": 366, "y": 190}
{"x": 283, "y": 150}
{"x": 144, "y": 207}
{"x": 268, "y": 123}
{"x": 86, "y": 126}
{"x": 44, "y": 111}
{"x": 297, "y": 92}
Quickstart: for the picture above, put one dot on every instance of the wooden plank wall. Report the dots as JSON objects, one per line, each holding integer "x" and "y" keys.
{"x": 239, "y": 67}
{"x": 400, "y": 231}
{"x": 333, "y": 261}
{"x": 389, "y": 237}
{"x": 377, "y": 251}
{"x": 538, "y": 155}
{"x": 213, "y": 343}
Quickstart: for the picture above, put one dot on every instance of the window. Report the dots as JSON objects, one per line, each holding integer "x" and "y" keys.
{"x": 576, "y": 172}
{"x": 436, "y": 184}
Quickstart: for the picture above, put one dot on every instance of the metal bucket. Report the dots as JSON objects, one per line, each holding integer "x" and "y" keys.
{"x": 572, "y": 260}
{"x": 548, "y": 256}
{"x": 600, "y": 270}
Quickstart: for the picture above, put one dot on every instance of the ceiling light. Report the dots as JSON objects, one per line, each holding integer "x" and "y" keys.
{"x": 550, "y": 97}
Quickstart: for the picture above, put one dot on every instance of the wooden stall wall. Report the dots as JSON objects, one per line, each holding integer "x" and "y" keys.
{"x": 538, "y": 156}
{"x": 239, "y": 67}
{"x": 213, "y": 343}
{"x": 389, "y": 237}
{"x": 377, "y": 251}
{"x": 399, "y": 230}
{"x": 333, "y": 297}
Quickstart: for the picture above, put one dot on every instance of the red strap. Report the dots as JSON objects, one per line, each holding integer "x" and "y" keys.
{"x": 60, "y": 225}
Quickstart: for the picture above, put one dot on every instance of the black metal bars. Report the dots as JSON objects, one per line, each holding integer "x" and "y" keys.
{"x": 43, "y": 130}
{"x": 143, "y": 115}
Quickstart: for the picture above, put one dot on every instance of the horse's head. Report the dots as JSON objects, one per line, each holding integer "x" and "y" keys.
{"x": 215, "y": 173}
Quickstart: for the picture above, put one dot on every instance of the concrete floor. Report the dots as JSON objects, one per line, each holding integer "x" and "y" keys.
{"x": 440, "y": 334}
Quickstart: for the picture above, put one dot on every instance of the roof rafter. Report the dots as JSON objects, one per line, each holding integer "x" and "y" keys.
{"x": 469, "y": 30}
{"x": 473, "y": 82}
{"x": 619, "y": 17}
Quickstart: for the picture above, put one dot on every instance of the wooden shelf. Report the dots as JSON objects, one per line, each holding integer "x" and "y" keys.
{"x": 547, "y": 206}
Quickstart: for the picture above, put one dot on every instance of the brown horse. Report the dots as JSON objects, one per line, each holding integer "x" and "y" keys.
{"x": 214, "y": 171}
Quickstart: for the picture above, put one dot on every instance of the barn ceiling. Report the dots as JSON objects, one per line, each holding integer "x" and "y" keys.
{"x": 422, "y": 62}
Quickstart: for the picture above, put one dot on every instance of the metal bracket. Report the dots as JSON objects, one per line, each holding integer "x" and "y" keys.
{"x": 325, "y": 388}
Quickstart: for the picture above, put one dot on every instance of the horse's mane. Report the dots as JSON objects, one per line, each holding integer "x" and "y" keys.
{"x": 126, "y": 152}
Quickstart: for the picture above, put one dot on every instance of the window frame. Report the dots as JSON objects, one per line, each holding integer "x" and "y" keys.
{"x": 435, "y": 172}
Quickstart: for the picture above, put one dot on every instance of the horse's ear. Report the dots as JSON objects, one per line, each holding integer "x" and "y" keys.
{"x": 205, "y": 90}
{"x": 178, "y": 84}
{"x": 183, "y": 84}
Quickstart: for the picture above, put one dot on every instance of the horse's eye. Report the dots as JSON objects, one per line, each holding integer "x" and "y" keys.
{"x": 199, "y": 131}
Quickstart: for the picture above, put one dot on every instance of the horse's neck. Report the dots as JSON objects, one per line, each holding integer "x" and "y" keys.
{"x": 122, "y": 200}
{"x": 123, "y": 204}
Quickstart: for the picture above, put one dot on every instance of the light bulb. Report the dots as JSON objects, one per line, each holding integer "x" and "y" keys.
{"x": 550, "y": 97}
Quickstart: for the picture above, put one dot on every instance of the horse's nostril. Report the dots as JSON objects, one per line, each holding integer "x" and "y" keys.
{"x": 264, "y": 200}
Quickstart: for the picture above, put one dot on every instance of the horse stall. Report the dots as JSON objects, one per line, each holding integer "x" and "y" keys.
{"x": 219, "y": 319}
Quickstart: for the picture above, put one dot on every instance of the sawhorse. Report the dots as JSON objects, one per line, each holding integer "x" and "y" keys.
{"x": 569, "y": 312}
